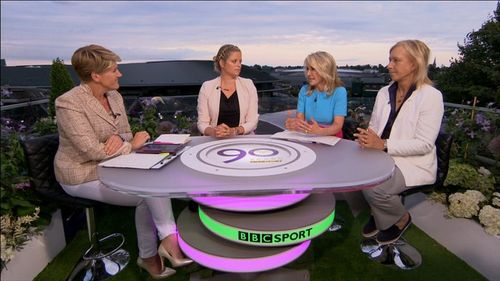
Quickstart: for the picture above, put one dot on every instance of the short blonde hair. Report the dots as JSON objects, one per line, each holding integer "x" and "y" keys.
{"x": 419, "y": 54}
{"x": 92, "y": 58}
{"x": 223, "y": 54}
{"x": 325, "y": 65}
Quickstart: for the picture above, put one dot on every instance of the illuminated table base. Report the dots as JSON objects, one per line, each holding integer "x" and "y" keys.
{"x": 216, "y": 253}
{"x": 286, "y": 226}
{"x": 250, "y": 204}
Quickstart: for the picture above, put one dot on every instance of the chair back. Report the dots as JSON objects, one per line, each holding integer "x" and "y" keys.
{"x": 444, "y": 142}
{"x": 39, "y": 153}
{"x": 349, "y": 128}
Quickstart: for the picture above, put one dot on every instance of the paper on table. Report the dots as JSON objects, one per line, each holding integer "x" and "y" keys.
{"x": 172, "y": 138}
{"x": 135, "y": 160}
{"x": 290, "y": 135}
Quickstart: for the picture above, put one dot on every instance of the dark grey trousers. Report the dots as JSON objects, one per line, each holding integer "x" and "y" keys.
{"x": 385, "y": 202}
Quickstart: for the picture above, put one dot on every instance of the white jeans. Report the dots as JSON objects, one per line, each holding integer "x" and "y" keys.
{"x": 152, "y": 214}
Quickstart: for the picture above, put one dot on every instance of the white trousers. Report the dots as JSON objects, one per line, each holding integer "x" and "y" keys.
{"x": 153, "y": 215}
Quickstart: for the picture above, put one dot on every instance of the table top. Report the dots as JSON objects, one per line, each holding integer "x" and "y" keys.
{"x": 340, "y": 168}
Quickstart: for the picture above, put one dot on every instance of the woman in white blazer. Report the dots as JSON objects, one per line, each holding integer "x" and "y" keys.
{"x": 228, "y": 104}
{"x": 405, "y": 123}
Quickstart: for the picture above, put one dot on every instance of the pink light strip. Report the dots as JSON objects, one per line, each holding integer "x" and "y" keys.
{"x": 243, "y": 265}
{"x": 251, "y": 203}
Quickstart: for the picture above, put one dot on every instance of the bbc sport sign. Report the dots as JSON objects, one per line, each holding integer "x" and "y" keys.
{"x": 248, "y": 157}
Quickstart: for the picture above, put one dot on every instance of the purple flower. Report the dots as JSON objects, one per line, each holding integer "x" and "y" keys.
{"x": 471, "y": 134}
{"x": 6, "y": 93}
{"x": 22, "y": 185}
{"x": 146, "y": 102}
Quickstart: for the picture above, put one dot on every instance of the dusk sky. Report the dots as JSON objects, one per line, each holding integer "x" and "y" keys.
{"x": 268, "y": 33}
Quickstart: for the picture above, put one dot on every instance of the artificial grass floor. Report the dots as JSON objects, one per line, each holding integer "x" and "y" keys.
{"x": 331, "y": 256}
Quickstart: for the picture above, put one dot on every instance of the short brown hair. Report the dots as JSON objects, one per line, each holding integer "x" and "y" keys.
{"x": 92, "y": 58}
{"x": 223, "y": 54}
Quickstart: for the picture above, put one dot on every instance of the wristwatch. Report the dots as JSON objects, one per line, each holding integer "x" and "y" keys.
{"x": 385, "y": 145}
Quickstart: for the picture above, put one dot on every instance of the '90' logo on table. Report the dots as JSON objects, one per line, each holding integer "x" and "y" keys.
{"x": 238, "y": 154}
{"x": 248, "y": 157}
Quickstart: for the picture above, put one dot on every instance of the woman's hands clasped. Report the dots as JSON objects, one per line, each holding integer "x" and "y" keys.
{"x": 223, "y": 130}
{"x": 367, "y": 138}
{"x": 299, "y": 125}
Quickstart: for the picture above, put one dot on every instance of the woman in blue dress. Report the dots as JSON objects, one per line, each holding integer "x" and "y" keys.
{"x": 322, "y": 102}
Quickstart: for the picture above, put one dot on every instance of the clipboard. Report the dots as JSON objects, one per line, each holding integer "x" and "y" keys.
{"x": 156, "y": 148}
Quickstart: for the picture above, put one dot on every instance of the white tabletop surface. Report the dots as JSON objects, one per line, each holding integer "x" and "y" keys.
{"x": 343, "y": 167}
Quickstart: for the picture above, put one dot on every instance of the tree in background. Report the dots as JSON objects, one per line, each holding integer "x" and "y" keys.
{"x": 476, "y": 73}
{"x": 60, "y": 81}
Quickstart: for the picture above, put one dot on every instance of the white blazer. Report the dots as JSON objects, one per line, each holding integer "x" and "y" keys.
{"x": 412, "y": 140}
{"x": 209, "y": 101}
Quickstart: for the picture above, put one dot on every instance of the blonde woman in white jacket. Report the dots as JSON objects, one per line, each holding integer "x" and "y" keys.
{"x": 228, "y": 104}
{"x": 405, "y": 123}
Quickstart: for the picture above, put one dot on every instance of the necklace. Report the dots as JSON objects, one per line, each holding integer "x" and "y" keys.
{"x": 399, "y": 97}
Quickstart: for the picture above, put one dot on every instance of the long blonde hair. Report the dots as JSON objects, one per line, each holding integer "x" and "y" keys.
{"x": 325, "y": 65}
{"x": 419, "y": 54}
{"x": 223, "y": 54}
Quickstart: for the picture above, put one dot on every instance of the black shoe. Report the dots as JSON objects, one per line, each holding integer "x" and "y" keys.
{"x": 392, "y": 234}
{"x": 370, "y": 228}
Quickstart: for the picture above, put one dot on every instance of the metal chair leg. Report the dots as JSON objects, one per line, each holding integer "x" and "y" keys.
{"x": 104, "y": 258}
{"x": 399, "y": 254}
{"x": 337, "y": 224}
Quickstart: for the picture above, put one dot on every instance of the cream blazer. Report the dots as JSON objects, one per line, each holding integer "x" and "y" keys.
{"x": 412, "y": 140}
{"x": 84, "y": 126}
{"x": 209, "y": 101}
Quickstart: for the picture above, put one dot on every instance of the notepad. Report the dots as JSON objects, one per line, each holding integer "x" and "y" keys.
{"x": 135, "y": 161}
{"x": 290, "y": 135}
{"x": 141, "y": 160}
{"x": 172, "y": 139}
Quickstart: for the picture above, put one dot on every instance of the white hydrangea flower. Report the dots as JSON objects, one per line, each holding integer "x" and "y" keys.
{"x": 483, "y": 171}
{"x": 495, "y": 201}
{"x": 465, "y": 205}
{"x": 462, "y": 206}
{"x": 490, "y": 218}
{"x": 476, "y": 195}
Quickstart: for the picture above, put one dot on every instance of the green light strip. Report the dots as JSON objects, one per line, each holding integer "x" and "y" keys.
{"x": 266, "y": 238}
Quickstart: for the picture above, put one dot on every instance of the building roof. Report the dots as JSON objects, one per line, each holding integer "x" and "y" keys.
{"x": 148, "y": 74}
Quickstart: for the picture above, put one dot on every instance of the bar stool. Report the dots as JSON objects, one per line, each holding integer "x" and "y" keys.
{"x": 105, "y": 257}
{"x": 400, "y": 253}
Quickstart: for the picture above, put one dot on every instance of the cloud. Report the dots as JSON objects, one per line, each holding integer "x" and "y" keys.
{"x": 268, "y": 32}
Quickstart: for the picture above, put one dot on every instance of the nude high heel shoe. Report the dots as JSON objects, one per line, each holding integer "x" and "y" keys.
{"x": 175, "y": 262}
{"x": 167, "y": 271}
